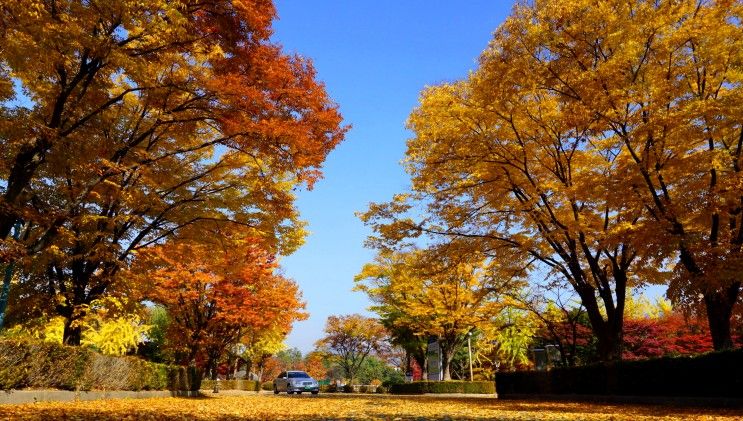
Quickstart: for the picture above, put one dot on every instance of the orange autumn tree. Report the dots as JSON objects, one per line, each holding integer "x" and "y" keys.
{"x": 214, "y": 295}
{"x": 315, "y": 365}
{"x": 350, "y": 339}
{"x": 139, "y": 119}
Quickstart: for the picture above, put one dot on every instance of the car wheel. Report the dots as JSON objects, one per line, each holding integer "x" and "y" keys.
{"x": 299, "y": 393}
{"x": 289, "y": 392}
{"x": 275, "y": 391}
{"x": 315, "y": 392}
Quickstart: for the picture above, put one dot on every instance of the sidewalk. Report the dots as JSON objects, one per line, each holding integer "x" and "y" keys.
{"x": 15, "y": 397}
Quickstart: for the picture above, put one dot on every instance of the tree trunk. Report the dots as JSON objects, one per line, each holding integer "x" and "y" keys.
{"x": 608, "y": 333}
{"x": 72, "y": 334}
{"x": 719, "y": 305}
{"x": 28, "y": 159}
{"x": 446, "y": 356}
{"x": 248, "y": 368}
{"x": 230, "y": 372}
{"x": 446, "y": 369}
{"x": 212, "y": 364}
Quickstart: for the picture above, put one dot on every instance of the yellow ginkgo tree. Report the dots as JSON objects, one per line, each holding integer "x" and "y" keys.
{"x": 602, "y": 143}
{"x": 437, "y": 293}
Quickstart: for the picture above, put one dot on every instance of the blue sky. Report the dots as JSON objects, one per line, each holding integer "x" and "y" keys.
{"x": 374, "y": 57}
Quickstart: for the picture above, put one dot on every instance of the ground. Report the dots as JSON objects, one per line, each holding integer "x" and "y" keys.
{"x": 244, "y": 406}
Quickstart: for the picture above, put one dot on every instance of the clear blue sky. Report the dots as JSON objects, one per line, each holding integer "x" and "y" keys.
{"x": 374, "y": 57}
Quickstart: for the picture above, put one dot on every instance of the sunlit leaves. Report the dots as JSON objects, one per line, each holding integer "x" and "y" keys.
{"x": 143, "y": 119}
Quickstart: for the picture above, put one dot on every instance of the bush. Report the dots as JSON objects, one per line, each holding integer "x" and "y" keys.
{"x": 267, "y": 385}
{"x": 329, "y": 388}
{"x": 381, "y": 389}
{"x": 239, "y": 384}
{"x": 718, "y": 374}
{"x": 347, "y": 388}
{"x": 390, "y": 382}
{"x": 48, "y": 365}
{"x": 417, "y": 388}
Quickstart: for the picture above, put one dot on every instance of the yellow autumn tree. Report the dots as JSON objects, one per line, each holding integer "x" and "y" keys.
{"x": 436, "y": 293}
{"x": 601, "y": 143}
{"x": 661, "y": 82}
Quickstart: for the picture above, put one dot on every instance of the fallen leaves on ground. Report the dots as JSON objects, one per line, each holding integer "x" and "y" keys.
{"x": 243, "y": 406}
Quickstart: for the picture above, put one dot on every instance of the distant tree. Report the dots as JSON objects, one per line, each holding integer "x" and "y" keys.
{"x": 316, "y": 364}
{"x": 436, "y": 292}
{"x": 290, "y": 359}
{"x": 375, "y": 368}
{"x": 351, "y": 340}
{"x": 154, "y": 348}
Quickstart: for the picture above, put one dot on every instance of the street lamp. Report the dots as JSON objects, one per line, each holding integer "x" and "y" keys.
{"x": 469, "y": 351}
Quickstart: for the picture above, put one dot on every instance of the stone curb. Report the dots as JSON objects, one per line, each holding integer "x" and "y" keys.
{"x": 15, "y": 397}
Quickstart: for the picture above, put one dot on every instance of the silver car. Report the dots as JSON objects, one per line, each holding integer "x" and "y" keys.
{"x": 295, "y": 381}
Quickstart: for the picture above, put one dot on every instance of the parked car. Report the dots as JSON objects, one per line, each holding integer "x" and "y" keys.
{"x": 295, "y": 381}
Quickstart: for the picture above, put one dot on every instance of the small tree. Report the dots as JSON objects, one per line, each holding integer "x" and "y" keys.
{"x": 351, "y": 339}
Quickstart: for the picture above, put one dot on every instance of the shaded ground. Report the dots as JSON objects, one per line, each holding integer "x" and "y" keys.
{"x": 234, "y": 406}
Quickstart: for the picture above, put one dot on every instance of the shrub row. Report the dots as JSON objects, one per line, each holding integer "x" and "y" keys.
{"x": 267, "y": 385}
{"x": 239, "y": 384}
{"x": 363, "y": 388}
{"x": 28, "y": 364}
{"x": 718, "y": 374}
{"x": 416, "y": 388}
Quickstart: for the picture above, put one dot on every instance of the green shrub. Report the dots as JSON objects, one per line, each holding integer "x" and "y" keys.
{"x": 479, "y": 387}
{"x": 716, "y": 374}
{"x": 48, "y": 365}
{"x": 347, "y": 388}
{"x": 388, "y": 383}
{"x": 381, "y": 389}
{"x": 416, "y": 388}
{"x": 267, "y": 385}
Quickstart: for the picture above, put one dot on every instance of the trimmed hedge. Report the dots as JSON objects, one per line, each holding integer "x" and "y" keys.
{"x": 417, "y": 388}
{"x": 718, "y": 374}
{"x": 28, "y": 364}
{"x": 239, "y": 384}
{"x": 267, "y": 385}
{"x": 329, "y": 388}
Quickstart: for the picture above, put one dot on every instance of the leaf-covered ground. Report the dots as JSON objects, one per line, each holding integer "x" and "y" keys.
{"x": 232, "y": 406}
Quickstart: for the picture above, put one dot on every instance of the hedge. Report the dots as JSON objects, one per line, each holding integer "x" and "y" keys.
{"x": 46, "y": 365}
{"x": 239, "y": 384}
{"x": 416, "y": 388}
{"x": 718, "y": 374}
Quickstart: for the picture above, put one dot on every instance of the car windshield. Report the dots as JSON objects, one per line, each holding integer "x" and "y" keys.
{"x": 298, "y": 375}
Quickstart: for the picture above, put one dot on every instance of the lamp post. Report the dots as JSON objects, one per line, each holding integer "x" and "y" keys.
{"x": 469, "y": 351}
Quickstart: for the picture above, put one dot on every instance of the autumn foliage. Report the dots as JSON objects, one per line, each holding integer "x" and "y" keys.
{"x": 598, "y": 146}
{"x": 125, "y": 123}
{"x": 350, "y": 340}
{"x": 251, "y": 406}
{"x": 217, "y": 294}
